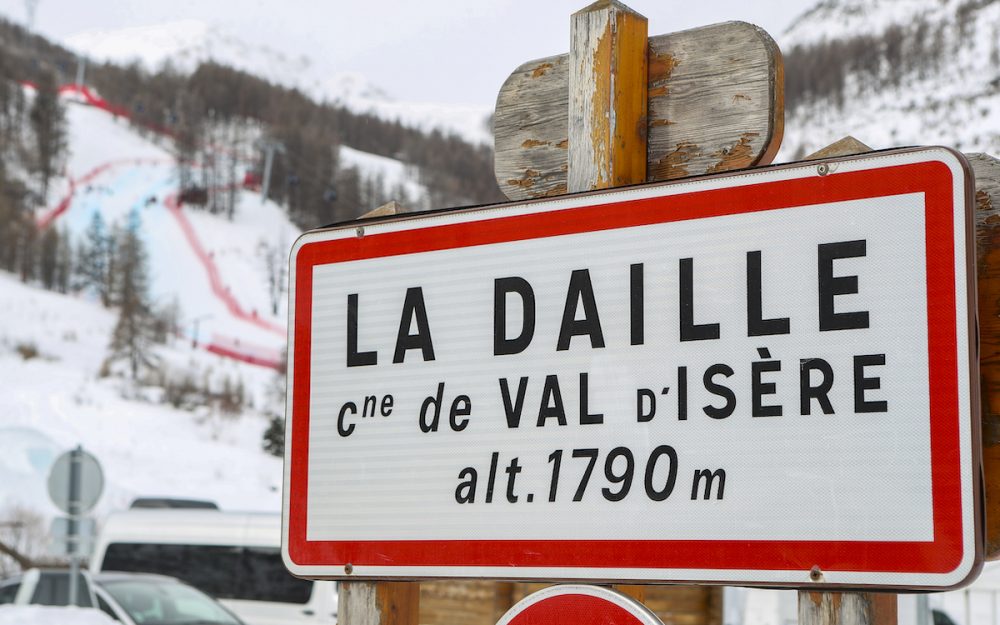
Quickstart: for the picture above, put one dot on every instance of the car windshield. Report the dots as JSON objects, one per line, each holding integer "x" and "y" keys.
{"x": 161, "y": 602}
{"x": 224, "y": 572}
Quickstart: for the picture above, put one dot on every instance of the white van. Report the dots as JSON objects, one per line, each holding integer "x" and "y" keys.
{"x": 234, "y": 557}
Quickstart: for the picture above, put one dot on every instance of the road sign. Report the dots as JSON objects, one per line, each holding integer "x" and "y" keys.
{"x": 91, "y": 483}
{"x": 764, "y": 378}
{"x": 578, "y": 605}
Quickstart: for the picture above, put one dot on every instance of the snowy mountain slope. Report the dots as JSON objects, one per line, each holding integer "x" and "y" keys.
{"x": 394, "y": 176}
{"x": 215, "y": 269}
{"x": 56, "y": 401}
{"x": 135, "y": 184}
{"x": 917, "y": 72}
{"x": 469, "y": 122}
{"x": 832, "y": 19}
{"x": 186, "y": 43}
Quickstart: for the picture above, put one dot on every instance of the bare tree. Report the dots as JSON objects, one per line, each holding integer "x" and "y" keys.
{"x": 22, "y": 539}
{"x": 274, "y": 257}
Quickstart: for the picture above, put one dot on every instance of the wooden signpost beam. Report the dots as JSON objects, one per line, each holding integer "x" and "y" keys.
{"x": 607, "y": 97}
{"x": 608, "y": 111}
{"x": 607, "y": 106}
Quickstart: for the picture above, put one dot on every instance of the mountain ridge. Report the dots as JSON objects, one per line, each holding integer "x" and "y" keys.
{"x": 916, "y": 72}
{"x": 185, "y": 44}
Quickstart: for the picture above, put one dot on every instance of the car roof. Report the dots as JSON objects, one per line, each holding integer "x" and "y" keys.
{"x": 195, "y": 527}
{"x": 107, "y": 577}
{"x": 100, "y": 578}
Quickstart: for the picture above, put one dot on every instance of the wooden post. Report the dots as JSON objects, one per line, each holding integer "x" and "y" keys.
{"x": 379, "y": 603}
{"x": 607, "y": 101}
{"x": 607, "y": 106}
{"x": 987, "y": 172}
{"x": 847, "y": 608}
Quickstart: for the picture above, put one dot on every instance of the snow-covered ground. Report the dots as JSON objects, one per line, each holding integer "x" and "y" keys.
{"x": 393, "y": 174}
{"x": 56, "y": 400}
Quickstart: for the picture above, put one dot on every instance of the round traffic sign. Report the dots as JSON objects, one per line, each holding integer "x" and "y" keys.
{"x": 85, "y": 484}
{"x": 574, "y": 604}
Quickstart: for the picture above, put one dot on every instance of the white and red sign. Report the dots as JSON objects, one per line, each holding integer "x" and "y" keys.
{"x": 767, "y": 377}
{"x": 574, "y": 604}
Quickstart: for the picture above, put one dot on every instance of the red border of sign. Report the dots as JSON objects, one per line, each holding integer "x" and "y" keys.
{"x": 941, "y": 555}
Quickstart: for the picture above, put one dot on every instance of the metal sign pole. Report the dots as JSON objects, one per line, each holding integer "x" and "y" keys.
{"x": 74, "y": 526}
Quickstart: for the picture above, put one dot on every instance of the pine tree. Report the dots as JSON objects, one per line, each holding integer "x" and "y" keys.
{"x": 273, "y": 439}
{"x": 134, "y": 333}
{"x": 12, "y": 215}
{"x": 27, "y": 245}
{"x": 94, "y": 261}
{"x": 64, "y": 262}
{"x": 48, "y": 120}
{"x": 274, "y": 258}
{"x": 48, "y": 255}
{"x": 188, "y": 133}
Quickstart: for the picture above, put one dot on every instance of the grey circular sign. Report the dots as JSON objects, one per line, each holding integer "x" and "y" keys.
{"x": 85, "y": 481}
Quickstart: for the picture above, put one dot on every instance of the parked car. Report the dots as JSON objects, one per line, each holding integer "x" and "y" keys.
{"x": 234, "y": 557}
{"x": 129, "y": 598}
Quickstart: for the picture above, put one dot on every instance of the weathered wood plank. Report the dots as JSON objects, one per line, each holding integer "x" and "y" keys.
{"x": 715, "y": 101}
{"x": 607, "y": 97}
{"x": 987, "y": 215}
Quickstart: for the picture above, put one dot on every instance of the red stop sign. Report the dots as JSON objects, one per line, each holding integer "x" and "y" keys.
{"x": 578, "y": 605}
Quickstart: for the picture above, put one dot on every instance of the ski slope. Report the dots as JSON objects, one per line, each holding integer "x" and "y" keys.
{"x": 213, "y": 268}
